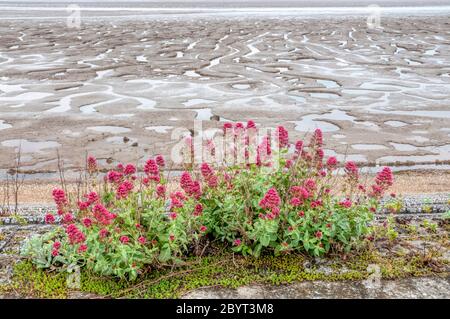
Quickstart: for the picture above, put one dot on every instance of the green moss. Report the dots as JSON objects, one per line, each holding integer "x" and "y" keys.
{"x": 37, "y": 283}
{"x": 224, "y": 270}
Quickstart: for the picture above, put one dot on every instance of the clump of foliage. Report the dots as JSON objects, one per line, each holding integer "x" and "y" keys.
{"x": 274, "y": 197}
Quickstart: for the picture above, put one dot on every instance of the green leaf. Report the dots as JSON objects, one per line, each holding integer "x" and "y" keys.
{"x": 165, "y": 254}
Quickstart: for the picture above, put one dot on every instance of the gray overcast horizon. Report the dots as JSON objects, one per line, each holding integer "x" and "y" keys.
{"x": 255, "y": 2}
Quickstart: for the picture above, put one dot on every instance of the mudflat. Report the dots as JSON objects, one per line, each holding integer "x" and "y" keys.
{"x": 119, "y": 88}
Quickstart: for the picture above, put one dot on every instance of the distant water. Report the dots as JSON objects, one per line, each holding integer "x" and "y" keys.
{"x": 224, "y": 3}
{"x": 304, "y": 8}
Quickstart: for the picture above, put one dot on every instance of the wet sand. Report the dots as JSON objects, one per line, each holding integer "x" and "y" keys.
{"x": 118, "y": 88}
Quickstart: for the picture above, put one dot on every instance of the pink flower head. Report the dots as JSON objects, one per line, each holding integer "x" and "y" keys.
{"x": 155, "y": 178}
{"x": 161, "y": 190}
{"x": 351, "y": 169}
{"x": 142, "y": 240}
{"x": 196, "y": 190}
{"x": 83, "y": 206}
{"x": 67, "y": 218}
{"x": 317, "y": 138}
{"x": 289, "y": 163}
{"x": 49, "y": 218}
{"x": 175, "y": 202}
{"x": 313, "y": 204}
{"x": 74, "y": 234}
{"x": 299, "y": 146}
{"x": 59, "y": 196}
{"x": 160, "y": 160}
{"x": 227, "y": 126}
{"x": 300, "y": 192}
{"x": 186, "y": 181}
{"x": 130, "y": 169}
{"x": 283, "y": 136}
{"x": 251, "y": 125}
{"x": 120, "y": 168}
{"x": 191, "y": 187}
{"x": 82, "y": 248}
{"x": 265, "y": 145}
{"x": 173, "y": 215}
{"x": 346, "y": 203}
{"x": 295, "y": 201}
{"x": 310, "y": 184}
{"x": 124, "y": 190}
{"x": 237, "y": 242}
{"x": 213, "y": 181}
{"x": 55, "y": 252}
{"x": 239, "y": 128}
{"x": 275, "y": 211}
{"x": 171, "y": 237}
{"x": 332, "y": 163}
{"x": 318, "y": 234}
{"x": 103, "y": 233}
{"x": 102, "y": 215}
{"x": 124, "y": 239}
{"x": 198, "y": 210}
{"x": 151, "y": 167}
{"x": 87, "y": 222}
{"x": 92, "y": 197}
{"x": 91, "y": 164}
{"x": 377, "y": 191}
{"x": 385, "y": 178}
{"x": 114, "y": 177}
{"x": 56, "y": 245}
{"x": 203, "y": 228}
{"x": 320, "y": 153}
{"x": 206, "y": 170}
{"x": 270, "y": 200}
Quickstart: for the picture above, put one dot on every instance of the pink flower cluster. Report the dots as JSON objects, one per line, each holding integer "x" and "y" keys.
{"x": 351, "y": 169}
{"x": 161, "y": 191}
{"x": 300, "y": 191}
{"x": 317, "y": 138}
{"x": 124, "y": 239}
{"x": 122, "y": 173}
{"x": 177, "y": 200}
{"x": 102, "y": 215}
{"x": 91, "y": 198}
{"x": 383, "y": 181}
{"x": 332, "y": 163}
{"x": 75, "y": 235}
{"x": 271, "y": 201}
{"x": 191, "y": 187}
{"x": 209, "y": 175}
{"x": 347, "y": 203}
{"x": 55, "y": 248}
{"x": 91, "y": 164}
{"x": 49, "y": 218}
{"x": 152, "y": 169}
{"x": 283, "y": 136}
{"x": 59, "y": 196}
{"x": 124, "y": 189}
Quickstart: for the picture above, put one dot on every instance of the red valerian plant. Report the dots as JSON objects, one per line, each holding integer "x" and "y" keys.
{"x": 288, "y": 199}
{"x": 301, "y": 204}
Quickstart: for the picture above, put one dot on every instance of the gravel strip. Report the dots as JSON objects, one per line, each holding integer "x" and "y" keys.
{"x": 426, "y": 205}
